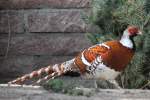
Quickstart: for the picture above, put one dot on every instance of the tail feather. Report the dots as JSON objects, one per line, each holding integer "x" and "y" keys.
{"x": 51, "y": 76}
{"x": 34, "y": 74}
{"x": 51, "y": 71}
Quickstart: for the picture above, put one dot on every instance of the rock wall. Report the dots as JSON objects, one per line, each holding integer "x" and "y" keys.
{"x": 39, "y": 33}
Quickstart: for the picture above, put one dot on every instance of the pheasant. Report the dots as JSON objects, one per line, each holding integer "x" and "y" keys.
{"x": 101, "y": 61}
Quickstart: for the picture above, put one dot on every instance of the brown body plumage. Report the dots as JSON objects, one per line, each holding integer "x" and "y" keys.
{"x": 116, "y": 57}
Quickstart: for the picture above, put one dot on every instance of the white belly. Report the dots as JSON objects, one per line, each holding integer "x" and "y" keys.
{"x": 103, "y": 72}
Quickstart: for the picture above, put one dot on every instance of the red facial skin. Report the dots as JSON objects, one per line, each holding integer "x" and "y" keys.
{"x": 133, "y": 30}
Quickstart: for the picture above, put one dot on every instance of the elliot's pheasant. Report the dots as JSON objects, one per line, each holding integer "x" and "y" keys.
{"x": 101, "y": 61}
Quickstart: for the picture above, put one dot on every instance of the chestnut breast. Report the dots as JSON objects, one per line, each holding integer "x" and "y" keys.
{"x": 118, "y": 56}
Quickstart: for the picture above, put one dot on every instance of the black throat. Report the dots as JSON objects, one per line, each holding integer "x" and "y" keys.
{"x": 134, "y": 46}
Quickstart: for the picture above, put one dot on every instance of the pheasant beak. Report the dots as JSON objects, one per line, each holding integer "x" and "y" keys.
{"x": 139, "y": 33}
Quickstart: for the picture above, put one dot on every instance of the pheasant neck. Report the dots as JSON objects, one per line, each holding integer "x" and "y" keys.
{"x": 127, "y": 41}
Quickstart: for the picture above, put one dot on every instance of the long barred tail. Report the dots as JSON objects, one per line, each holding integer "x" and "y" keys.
{"x": 51, "y": 71}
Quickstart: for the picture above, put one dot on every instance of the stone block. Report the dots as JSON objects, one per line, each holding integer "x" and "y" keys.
{"x": 12, "y": 21}
{"x": 45, "y": 44}
{"x": 32, "y": 4}
{"x": 56, "y": 21}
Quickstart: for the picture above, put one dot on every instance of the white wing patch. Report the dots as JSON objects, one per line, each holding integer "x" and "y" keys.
{"x": 103, "y": 44}
{"x": 84, "y": 60}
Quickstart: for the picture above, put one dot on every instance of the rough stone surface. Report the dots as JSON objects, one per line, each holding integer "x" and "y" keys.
{"x": 30, "y": 4}
{"x": 38, "y": 93}
{"x": 56, "y": 21}
{"x": 45, "y": 44}
{"x": 46, "y": 20}
{"x": 15, "y": 20}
